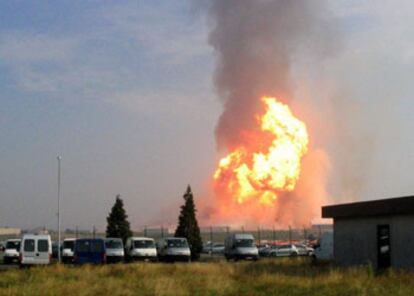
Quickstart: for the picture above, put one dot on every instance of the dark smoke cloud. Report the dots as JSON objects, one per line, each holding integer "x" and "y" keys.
{"x": 256, "y": 43}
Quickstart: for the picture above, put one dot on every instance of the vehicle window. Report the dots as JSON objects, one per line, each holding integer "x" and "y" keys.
{"x": 177, "y": 243}
{"x": 69, "y": 245}
{"x": 29, "y": 245}
{"x": 13, "y": 245}
{"x": 97, "y": 246}
{"x": 82, "y": 246}
{"x": 113, "y": 244}
{"x": 143, "y": 244}
{"x": 244, "y": 243}
{"x": 42, "y": 245}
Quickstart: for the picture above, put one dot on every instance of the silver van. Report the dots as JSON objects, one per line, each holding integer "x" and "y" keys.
{"x": 140, "y": 248}
{"x": 240, "y": 246}
{"x": 11, "y": 251}
{"x": 35, "y": 249}
{"x": 174, "y": 249}
{"x": 114, "y": 250}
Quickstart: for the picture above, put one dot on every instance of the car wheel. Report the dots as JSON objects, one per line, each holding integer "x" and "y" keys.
{"x": 6, "y": 260}
{"x": 293, "y": 254}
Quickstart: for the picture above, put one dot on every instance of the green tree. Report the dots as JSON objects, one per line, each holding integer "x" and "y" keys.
{"x": 188, "y": 226}
{"x": 118, "y": 225}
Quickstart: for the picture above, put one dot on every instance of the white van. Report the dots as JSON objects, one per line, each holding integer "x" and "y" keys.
{"x": 240, "y": 246}
{"x": 114, "y": 250}
{"x": 35, "y": 249}
{"x": 325, "y": 249}
{"x": 68, "y": 250}
{"x": 140, "y": 248}
{"x": 174, "y": 249}
{"x": 11, "y": 252}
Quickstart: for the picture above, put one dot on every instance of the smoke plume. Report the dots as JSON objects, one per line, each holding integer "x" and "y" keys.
{"x": 257, "y": 44}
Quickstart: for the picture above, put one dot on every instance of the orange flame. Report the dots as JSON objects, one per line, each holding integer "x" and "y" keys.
{"x": 259, "y": 176}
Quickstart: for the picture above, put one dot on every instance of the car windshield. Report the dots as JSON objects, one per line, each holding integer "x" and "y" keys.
{"x": 69, "y": 245}
{"x": 13, "y": 245}
{"x": 143, "y": 244}
{"x": 244, "y": 243}
{"x": 113, "y": 244}
{"x": 177, "y": 243}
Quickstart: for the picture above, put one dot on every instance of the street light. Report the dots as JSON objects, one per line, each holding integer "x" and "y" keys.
{"x": 58, "y": 212}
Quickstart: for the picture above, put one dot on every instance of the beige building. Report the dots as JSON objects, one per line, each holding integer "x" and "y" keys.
{"x": 379, "y": 232}
{"x": 10, "y": 231}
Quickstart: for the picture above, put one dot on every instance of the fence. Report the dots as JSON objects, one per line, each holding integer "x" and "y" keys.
{"x": 217, "y": 234}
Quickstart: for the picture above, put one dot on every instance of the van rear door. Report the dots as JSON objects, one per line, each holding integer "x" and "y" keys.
{"x": 29, "y": 250}
{"x": 42, "y": 254}
{"x": 97, "y": 251}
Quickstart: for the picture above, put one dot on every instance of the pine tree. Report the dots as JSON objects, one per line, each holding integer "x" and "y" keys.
{"x": 188, "y": 226}
{"x": 118, "y": 225}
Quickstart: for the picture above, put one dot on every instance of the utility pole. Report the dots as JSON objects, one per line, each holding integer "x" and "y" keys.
{"x": 58, "y": 211}
{"x": 211, "y": 240}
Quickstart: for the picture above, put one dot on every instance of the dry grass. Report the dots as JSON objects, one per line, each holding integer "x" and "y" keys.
{"x": 268, "y": 277}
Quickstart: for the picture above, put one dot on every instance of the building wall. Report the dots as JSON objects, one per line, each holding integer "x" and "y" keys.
{"x": 9, "y": 231}
{"x": 355, "y": 240}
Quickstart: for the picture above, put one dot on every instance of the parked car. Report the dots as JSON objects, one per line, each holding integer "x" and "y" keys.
{"x": 55, "y": 248}
{"x": 240, "y": 246}
{"x": 90, "y": 250}
{"x": 114, "y": 250}
{"x": 68, "y": 250}
{"x": 174, "y": 249}
{"x": 325, "y": 249}
{"x": 304, "y": 250}
{"x": 213, "y": 248}
{"x": 207, "y": 247}
{"x": 218, "y": 249}
{"x": 263, "y": 250}
{"x": 35, "y": 249}
{"x": 140, "y": 248}
{"x": 2, "y": 246}
{"x": 288, "y": 250}
{"x": 11, "y": 251}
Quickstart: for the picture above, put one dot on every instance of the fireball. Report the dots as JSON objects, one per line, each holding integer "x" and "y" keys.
{"x": 258, "y": 174}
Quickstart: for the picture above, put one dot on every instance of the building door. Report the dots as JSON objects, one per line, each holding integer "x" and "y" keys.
{"x": 384, "y": 247}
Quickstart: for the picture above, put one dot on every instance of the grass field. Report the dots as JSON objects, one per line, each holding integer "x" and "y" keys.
{"x": 267, "y": 277}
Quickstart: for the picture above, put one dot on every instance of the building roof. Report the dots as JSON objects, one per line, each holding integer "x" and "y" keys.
{"x": 382, "y": 207}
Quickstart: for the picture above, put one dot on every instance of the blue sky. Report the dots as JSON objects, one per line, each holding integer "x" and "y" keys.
{"x": 123, "y": 91}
